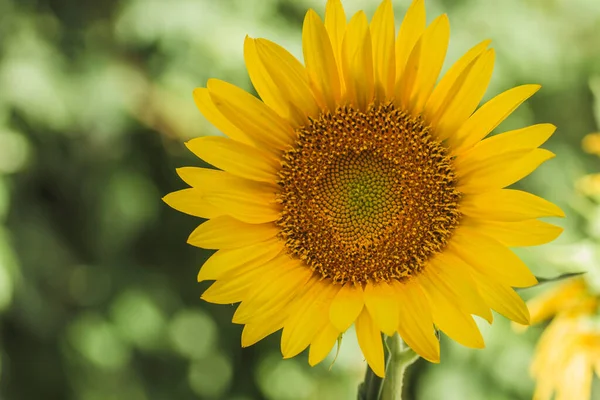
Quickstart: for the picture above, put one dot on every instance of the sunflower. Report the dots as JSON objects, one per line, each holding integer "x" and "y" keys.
{"x": 569, "y": 349}
{"x": 359, "y": 191}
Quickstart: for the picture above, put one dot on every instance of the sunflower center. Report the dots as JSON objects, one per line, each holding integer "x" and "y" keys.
{"x": 367, "y": 196}
{"x": 359, "y": 196}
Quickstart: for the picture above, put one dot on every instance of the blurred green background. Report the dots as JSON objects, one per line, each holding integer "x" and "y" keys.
{"x": 98, "y": 292}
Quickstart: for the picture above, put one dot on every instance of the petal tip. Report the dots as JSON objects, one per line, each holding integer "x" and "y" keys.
{"x": 310, "y": 13}
{"x": 443, "y": 19}
{"x": 533, "y": 280}
{"x": 518, "y": 327}
{"x": 430, "y": 353}
{"x": 559, "y": 230}
{"x": 197, "y": 91}
{"x": 187, "y": 144}
{"x": 551, "y": 127}
{"x": 378, "y": 369}
{"x": 534, "y": 87}
{"x": 244, "y": 340}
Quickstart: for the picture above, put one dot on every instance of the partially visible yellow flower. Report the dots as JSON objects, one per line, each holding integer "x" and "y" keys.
{"x": 568, "y": 352}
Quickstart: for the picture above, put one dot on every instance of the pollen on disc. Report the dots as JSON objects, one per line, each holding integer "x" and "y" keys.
{"x": 367, "y": 196}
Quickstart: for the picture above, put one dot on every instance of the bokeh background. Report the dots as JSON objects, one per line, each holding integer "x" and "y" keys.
{"x": 98, "y": 292}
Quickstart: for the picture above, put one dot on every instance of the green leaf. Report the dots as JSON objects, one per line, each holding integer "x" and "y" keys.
{"x": 542, "y": 280}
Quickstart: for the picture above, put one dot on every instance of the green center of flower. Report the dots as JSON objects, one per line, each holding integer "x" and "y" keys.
{"x": 361, "y": 195}
{"x": 367, "y": 196}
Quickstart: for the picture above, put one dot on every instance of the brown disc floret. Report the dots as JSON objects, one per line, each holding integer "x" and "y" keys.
{"x": 367, "y": 196}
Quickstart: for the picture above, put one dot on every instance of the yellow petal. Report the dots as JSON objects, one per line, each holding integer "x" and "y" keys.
{"x": 545, "y": 383}
{"x": 500, "y": 171}
{"x": 411, "y": 30}
{"x": 226, "y": 260}
{"x": 415, "y": 323}
{"x": 225, "y": 232}
{"x": 490, "y": 257}
{"x": 203, "y": 179}
{"x": 264, "y": 84}
{"x": 502, "y": 298}
{"x": 322, "y": 344}
{"x": 357, "y": 62}
{"x": 289, "y": 76}
{"x": 434, "y": 116}
{"x": 253, "y": 207}
{"x": 346, "y": 306}
{"x": 440, "y": 96}
{"x": 227, "y": 292}
{"x": 237, "y": 284}
{"x": 382, "y": 303}
{"x": 452, "y": 277}
{"x": 249, "y": 201}
{"x": 508, "y": 205}
{"x": 489, "y": 116}
{"x": 335, "y": 23}
{"x": 273, "y": 293}
{"x": 520, "y": 139}
{"x": 214, "y": 116}
{"x": 424, "y": 66}
{"x": 551, "y": 301}
{"x": 210, "y": 180}
{"x": 531, "y": 232}
{"x": 464, "y": 97}
{"x": 190, "y": 201}
{"x": 450, "y": 319}
{"x": 576, "y": 380}
{"x": 236, "y": 158}
{"x": 258, "y": 330}
{"x": 320, "y": 60}
{"x": 370, "y": 342}
{"x": 384, "y": 57}
{"x": 251, "y": 115}
{"x": 307, "y": 318}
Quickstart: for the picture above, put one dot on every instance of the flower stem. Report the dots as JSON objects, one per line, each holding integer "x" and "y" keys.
{"x": 398, "y": 357}
{"x": 401, "y": 357}
{"x": 371, "y": 387}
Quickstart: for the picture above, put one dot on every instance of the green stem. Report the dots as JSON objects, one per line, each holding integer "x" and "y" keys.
{"x": 371, "y": 387}
{"x": 401, "y": 357}
{"x": 398, "y": 357}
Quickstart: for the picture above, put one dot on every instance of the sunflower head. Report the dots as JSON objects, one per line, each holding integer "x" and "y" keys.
{"x": 360, "y": 190}
{"x": 367, "y": 178}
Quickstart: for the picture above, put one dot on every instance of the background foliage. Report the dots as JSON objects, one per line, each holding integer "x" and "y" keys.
{"x": 98, "y": 298}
